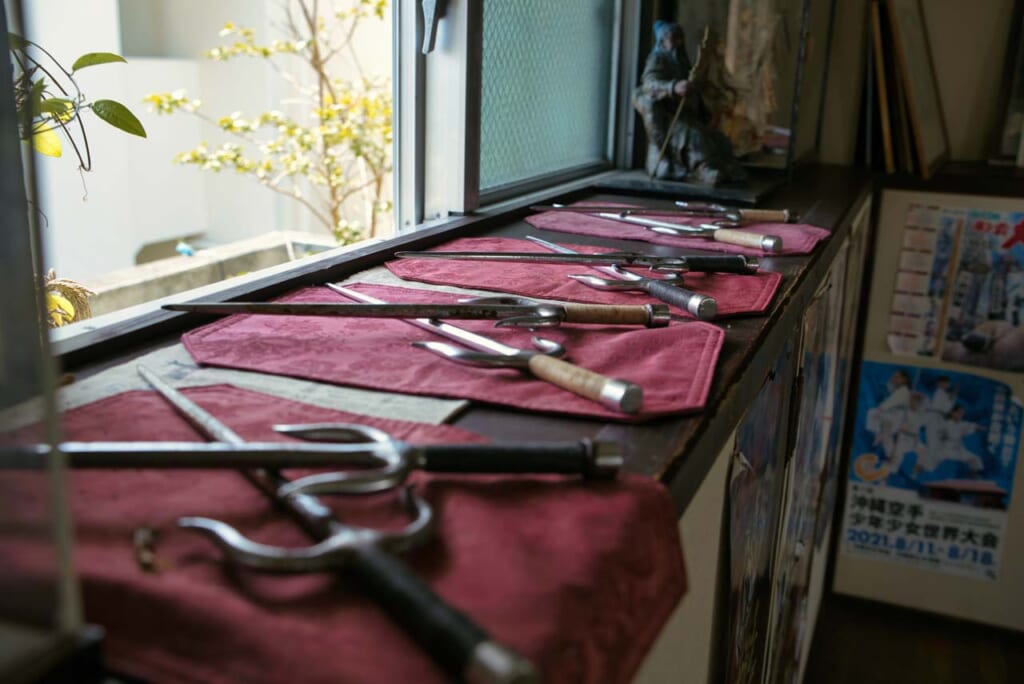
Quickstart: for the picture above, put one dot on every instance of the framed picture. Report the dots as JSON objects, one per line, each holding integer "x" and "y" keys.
{"x": 931, "y": 145}
{"x": 1008, "y": 138}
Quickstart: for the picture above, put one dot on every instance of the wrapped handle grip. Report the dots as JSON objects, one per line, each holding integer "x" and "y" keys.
{"x": 567, "y": 458}
{"x": 617, "y": 395}
{"x": 625, "y": 314}
{"x": 767, "y": 243}
{"x": 734, "y": 263}
{"x": 765, "y": 215}
{"x": 455, "y": 642}
{"x": 700, "y": 306}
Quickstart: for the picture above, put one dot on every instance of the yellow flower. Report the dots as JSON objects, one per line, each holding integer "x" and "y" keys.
{"x": 46, "y": 142}
{"x": 59, "y": 310}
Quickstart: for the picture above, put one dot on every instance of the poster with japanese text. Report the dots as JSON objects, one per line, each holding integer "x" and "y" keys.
{"x": 931, "y": 468}
{"x": 959, "y": 292}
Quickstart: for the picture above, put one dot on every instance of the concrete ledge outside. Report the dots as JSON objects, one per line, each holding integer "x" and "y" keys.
{"x": 138, "y": 284}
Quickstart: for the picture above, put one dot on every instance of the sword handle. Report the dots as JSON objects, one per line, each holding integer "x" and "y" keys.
{"x": 592, "y": 460}
{"x": 627, "y": 314}
{"x": 701, "y": 306}
{"x": 718, "y": 263}
{"x": 617, "y": 395}
{"x": 768, "y": 243}
{"x": 454, "y": 641}
{"x": 765, "y": 215}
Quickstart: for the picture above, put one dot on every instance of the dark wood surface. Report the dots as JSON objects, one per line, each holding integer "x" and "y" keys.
{"x": 858, "y": 641}
{"x": 677, "y": 450}
{"x": 963, "y": 178}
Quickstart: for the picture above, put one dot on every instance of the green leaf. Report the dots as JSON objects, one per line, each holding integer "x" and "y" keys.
{"x": 118, "y": 116}
{"x": 17, "y": 42}
{"x": 55, "y": 105}
{"x": 59, "y": 107}
{"x": 93, "y": 58}
{"x": 35, "y": 97}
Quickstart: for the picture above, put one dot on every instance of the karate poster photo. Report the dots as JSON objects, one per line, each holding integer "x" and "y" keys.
{"x": 931, "y": 468}
{"x": 959, "y": 293}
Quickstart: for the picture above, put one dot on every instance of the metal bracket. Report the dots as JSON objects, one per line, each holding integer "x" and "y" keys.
{"x": 433, "y": 10}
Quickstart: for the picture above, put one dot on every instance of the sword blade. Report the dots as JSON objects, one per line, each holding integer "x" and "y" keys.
{"x": 705, "y": 230}
{"x": 618, "y": 258}
{"x": 458, "y": 311}
{"x": 608, "y": 270}
{"x": 625, "y": 211}
{"x": 452, "y": 332}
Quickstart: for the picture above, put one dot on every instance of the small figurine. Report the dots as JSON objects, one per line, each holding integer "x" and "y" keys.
{"x": 682, "y": 143}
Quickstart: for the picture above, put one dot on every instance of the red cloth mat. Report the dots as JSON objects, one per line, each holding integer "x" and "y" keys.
{"x": 674, "y": 365}
{"x": 736, "y": 294}
{"x": 797, "y": 238}
{"x": 578, "y": 578}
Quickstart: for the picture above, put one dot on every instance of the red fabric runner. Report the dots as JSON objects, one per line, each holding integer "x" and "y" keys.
{"x": 673, "y": 365}
{"x": 797, "y": 238}
{"x": 579, "y": 578}
{"x": 736, "y": 294}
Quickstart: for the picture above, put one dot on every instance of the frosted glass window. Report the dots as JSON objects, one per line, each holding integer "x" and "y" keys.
{"x": 546, "y": 86}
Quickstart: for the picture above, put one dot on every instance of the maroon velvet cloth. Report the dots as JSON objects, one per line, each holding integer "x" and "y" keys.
{"x": 578, "y": 577}
{"x": 673, "y": 365}
{"x": 797, "y": 238}
{"x": 736, "y": 294}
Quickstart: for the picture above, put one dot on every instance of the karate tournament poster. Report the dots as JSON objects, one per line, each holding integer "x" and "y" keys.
{"x": 931, "y": 469}
{"x": 959, "y": 293}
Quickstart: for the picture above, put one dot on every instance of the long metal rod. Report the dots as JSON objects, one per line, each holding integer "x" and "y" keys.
{"x": 613, "y": 271}
{"x": 456, "y": 311}
{"x": 200, "y": 455}
{"x": 657, "y": 263}
{"x": 452, "y": 332}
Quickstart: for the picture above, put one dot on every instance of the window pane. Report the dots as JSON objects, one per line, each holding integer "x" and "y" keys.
{"x": 546, "y": 87}
{"x": 268, "y": 140}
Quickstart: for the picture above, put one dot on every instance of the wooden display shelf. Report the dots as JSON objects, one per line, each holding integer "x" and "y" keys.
{"x": 678, "y": 450}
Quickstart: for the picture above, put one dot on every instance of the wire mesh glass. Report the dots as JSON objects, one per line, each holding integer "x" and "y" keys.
{"x": 547, "y": 77}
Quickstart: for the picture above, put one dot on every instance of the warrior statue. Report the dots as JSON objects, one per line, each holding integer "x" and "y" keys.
{"x": 681, "y": 142}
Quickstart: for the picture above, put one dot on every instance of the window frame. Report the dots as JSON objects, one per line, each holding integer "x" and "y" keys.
{"x": 444, "y": 86}
{"x": 441, "y": 192}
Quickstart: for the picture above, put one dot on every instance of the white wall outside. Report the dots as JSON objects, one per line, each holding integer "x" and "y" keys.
{"x": 136, "y": 195}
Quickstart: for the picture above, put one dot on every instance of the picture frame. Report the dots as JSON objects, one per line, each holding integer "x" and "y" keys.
{"x": 1008, "y": 137}
{"x": 913, "y": 53}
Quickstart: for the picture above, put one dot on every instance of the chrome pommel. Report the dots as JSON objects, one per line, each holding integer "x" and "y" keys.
{"x": 604, "y": 460}
{"x": 703, "y": 307}
{"x": 771, "y": 244}
{"x": 658, "y": 315}
{"x": 492, "y": 663}
{"x": 619, "y": 395}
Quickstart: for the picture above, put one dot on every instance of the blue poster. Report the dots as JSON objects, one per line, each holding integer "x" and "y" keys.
{"x": 931, "y": 469}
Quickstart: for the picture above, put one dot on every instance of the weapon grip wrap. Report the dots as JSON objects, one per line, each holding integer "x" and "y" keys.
{"x": 617, "y": 395}
{"x": 733, "y": 263}
{"x": 765, "y": 215}
{"x": 603, "y": 313}
{"x": 701, "y": 306}
{"x": 564, "y": 458}
{"x": 451, "y": 638}
{"x": 739, "y": 237}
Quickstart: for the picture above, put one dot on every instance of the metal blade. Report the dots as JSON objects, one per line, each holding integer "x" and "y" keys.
{"x": 467, "y": 311}
{"x": 614, "y": 272}
{"x": 702, "y": 230}
{"x": 199, "y": 418}
{"x": 622, "y": 211}
{"x": 206, "y": 455}
{"x": 452, "y": 332}
{"x": 621, "y": 258}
